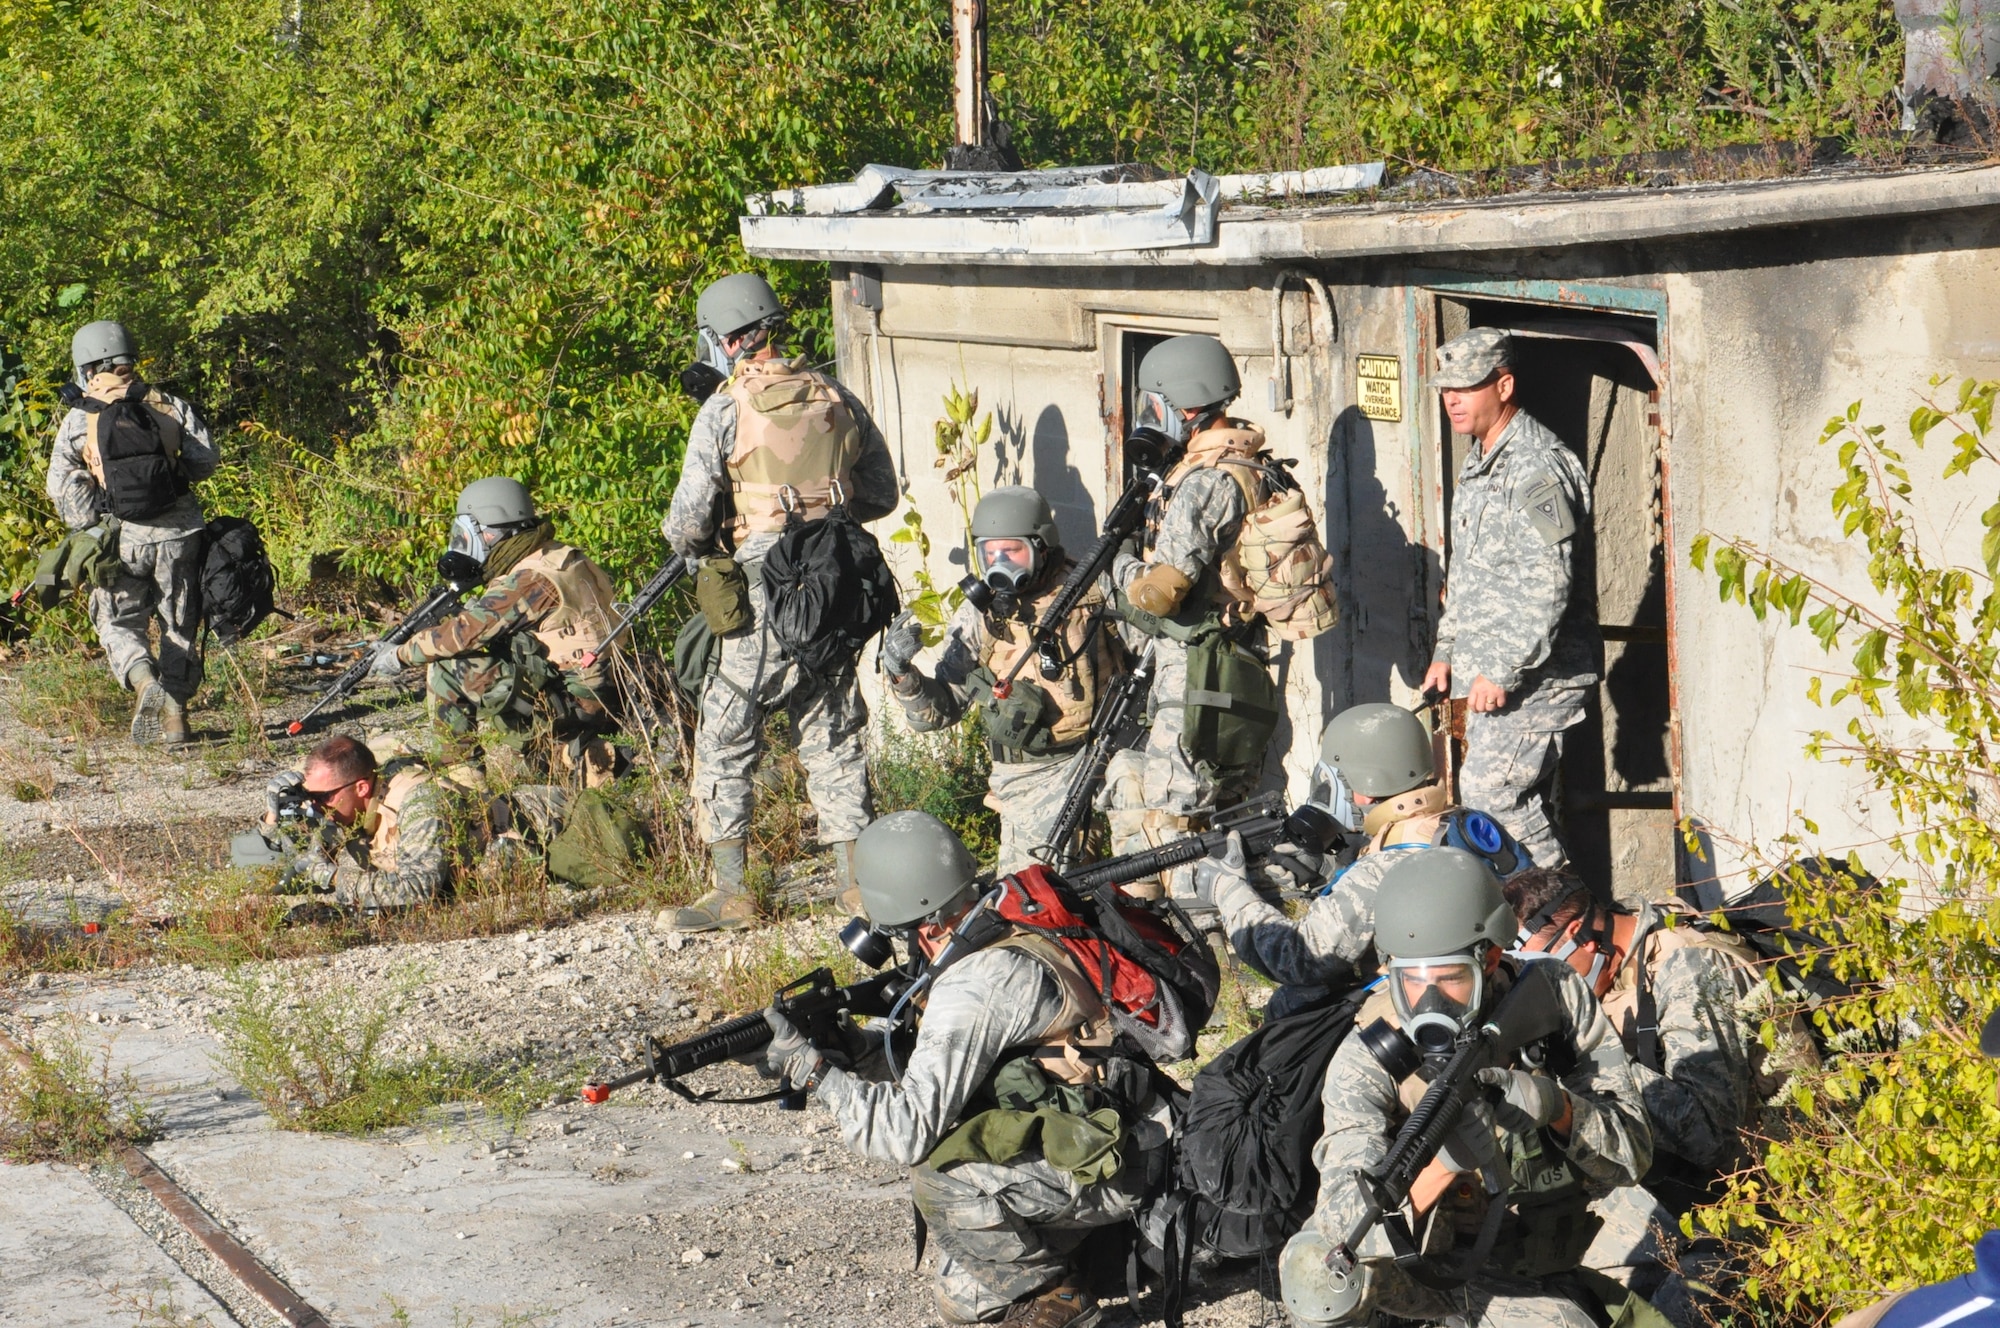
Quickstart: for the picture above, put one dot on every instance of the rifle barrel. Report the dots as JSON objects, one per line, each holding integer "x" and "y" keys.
{"x": 642, "y": 604}
{"x": 415, "y": 621}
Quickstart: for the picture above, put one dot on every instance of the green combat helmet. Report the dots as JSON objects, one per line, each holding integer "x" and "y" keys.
{"x": 910, "y": 867}
{"x": 1006, "y": 518}
{"x": 489, "y": 511}
{"x": 1379, "y": 749}
{"x": 1192, "y": 372}
{"x": 99, "y": 343}
{"x": 736, "y": 302}
{"x": 1441, "y": 902}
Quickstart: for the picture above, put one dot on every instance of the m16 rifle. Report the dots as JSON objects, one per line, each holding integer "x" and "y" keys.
{"x": 642, "y": 604}
{"x": 1263, "y": 823}
{"x": 1111, "y": 728}
{"x": 458, "y": 574}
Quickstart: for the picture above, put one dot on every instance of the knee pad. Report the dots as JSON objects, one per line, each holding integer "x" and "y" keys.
{"x": 1315, "y": 1296}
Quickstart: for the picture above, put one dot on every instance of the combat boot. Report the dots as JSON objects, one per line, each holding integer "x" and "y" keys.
{"x": 843, "y": 871}
{"x": 149, "y": 704}
{"x": 174, "y": 731}
{"x": 728, "y": 907}
{"x": 1068, "y": 1305}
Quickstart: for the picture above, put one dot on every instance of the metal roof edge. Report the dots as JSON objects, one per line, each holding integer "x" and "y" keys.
{"x": 1538, "y": 221}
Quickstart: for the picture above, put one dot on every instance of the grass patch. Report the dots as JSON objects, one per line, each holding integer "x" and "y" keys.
{"x": 944, "y": 774}
{"x": 317, "y": 1063}
{"x": 70, "y": 693}
{"x": 751, "y": 968}
{"x": 60, "y": 1103}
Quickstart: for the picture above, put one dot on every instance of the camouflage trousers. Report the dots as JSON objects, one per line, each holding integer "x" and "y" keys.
{"x": 1639, "y": 1246}
{"x": 1027, "y": 795}
{"x": 1487, "y": 1301}
{"x": 829, "y": 723}
{"x": 161, "y": 581}
{"x": 1006, "y": 1231}
{"x": 1512, "y": 759}
{"x": 528, "y": 716}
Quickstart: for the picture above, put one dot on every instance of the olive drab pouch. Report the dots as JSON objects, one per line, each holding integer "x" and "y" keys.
{"x": 1018, "y": 728}
{"x": 601, "y": 842}
{"x": 722, "y": 592}
{"x": 1232, "y": 705}
{"x": 696, "y": 655}
{"x": 1286, "y": 568}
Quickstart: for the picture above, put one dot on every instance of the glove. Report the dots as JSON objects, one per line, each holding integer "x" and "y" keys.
{"x": 1522, "y": 1102}
{"x": 283, "y": 783}
{"x": 900, "y": 644}
{"x": 790, "y": 1054}
{"x": 386, "y": 665}
{"x": 1470, "y": 1145}
{"x": 312, "y": 872}
{"x": 1219, "y": 876}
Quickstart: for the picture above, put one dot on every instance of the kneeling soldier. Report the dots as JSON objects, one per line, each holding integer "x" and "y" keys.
{"x": 509, "y": 668}
{"x": 1041, "y": 729}
{"x": 1017, "y": 1024}
{"x": 1542, "y": 1141}
{"x": 397, "y": 849}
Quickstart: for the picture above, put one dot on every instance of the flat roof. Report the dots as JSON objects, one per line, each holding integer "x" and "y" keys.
{"x": 1250, "y": 234}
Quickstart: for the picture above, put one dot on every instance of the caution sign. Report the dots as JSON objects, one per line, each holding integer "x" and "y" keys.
{"x": 1379, "y": 386}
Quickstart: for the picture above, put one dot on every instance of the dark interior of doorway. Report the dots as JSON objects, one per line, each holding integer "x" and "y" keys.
{"x": 1132, "y": 349}
{"x": 1617, "y": 777}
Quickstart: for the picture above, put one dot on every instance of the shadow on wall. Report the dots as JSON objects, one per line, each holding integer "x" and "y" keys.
{"x": 1387, "y": 582}
{"x": 1040, "y": 459}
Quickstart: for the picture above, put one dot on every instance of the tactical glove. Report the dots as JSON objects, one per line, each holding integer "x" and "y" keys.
{"x": 386, "y": 664}
{"x": 1470, "y": 1145}
{"x": 1221, "y": 878}
{"x": 790, "y": 1054}
{"x": 900, "y": 644}
{"x": 1522, "y": 1102}
{"x": 283, "y": 788}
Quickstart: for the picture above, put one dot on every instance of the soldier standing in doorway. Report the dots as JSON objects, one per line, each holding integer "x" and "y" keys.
{"x": 1518, "y": 640}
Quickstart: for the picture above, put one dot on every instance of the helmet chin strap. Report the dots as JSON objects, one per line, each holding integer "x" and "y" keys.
{"x": 1596, "y": 928}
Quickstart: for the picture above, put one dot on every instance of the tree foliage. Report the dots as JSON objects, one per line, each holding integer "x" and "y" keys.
{"x": 1892, "y": 1165}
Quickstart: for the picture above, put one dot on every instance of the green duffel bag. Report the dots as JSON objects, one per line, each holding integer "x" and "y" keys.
{"x": 1232, "y": 706}
{"x": 601, "y": 842}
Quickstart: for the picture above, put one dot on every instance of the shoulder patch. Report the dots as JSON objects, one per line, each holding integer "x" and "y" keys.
{"x": 1546, "y": 506}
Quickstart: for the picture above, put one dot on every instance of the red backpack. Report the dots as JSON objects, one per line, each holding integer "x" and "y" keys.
{"x": 1152, "y": 969}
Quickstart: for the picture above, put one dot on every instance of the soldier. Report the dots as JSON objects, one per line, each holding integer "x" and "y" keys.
{"x": 398, "y": 851}
{"x": 1038, "y": 733}
{"x": 778, "y": 442}
{"x": 1442, "y": 923}
{"x": 506, "y": 672}
{"x": 1017, "y": 1018}
{"x": 1518, "y": 639}
{"x": 1186, "y": 593}
{"x": 1383, "y": 754}
{"x": 124, "y": 462}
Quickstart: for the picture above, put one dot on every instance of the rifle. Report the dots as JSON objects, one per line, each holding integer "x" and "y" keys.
{"x": 1530, "y": 1011}
{"x": 1149, "y": 454}
{"x": 813, "y": 1003}
{"x": 460, "y": 574}
{"x": 642, "y": 604}
{"x": 1262, "y": 821}
{"x": 1109, "y": 729}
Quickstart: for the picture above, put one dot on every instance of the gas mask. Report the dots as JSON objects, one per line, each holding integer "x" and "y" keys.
{"x": 1157, "y": 413}
{"x": 712, "y": 354}
{"x": 468, "y": 539}
{"x": 1437, "y": 999}
{"x": 1330, "y": 793}
{"x": 1595, "y": 929}
{"x": 1009, "y": 564}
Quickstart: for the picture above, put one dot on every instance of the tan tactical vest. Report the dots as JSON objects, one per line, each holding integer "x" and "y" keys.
{"x": 584, "y": 615}
{"x": 1233, "y": 445}
{"x": 796, "y": 443}
{"x": 109, "y": 388}
{"x": 404, "y": 779}
{"x": 1076, "y": 692}
{"x": 1071, "y": 1049}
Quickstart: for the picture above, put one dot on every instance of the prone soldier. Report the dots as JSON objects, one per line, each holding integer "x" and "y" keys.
{"x": 777, "y": 443}
{"x": 398, "y": 847}
{"x": 1040, "y": 731}
{"x": 1518, "y": 639}
{"x": 122, "y": 470}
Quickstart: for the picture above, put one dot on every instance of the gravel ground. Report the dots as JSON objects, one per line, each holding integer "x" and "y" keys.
{"x": 117, "y": 1185}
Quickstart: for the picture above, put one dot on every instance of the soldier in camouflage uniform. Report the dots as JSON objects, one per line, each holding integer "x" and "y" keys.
{"x": 1382, "y": 753}
{"x": 1518, "y": 639}
{"x": 508, "y": 671}
{"x": 1441, "y": 925}
{"x": 1186, "y": 583}
{"x": 1040, "y": 731}
{"x": 397, "y": 846}
{"x": 1016, "y": 1020}
{"x": 778, "y": 441}
{"x": 158, "y": 534}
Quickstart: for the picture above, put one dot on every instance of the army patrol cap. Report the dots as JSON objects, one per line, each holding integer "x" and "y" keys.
{"x": 910, "y": 866}
{"x": 1379, "y": 749}
{"x": 97, "y": 342}
{"x": 1191, "y": 371}
{"x": 1469, "y": 360}
{"x": 1014, "y": 511}
{"x": 1440, "y": 901}
{"x": 736, "y": 302}
{"x": 497, "y": 501}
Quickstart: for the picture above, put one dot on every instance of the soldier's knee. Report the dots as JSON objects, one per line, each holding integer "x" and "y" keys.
{"x": 1314, "y": 1295}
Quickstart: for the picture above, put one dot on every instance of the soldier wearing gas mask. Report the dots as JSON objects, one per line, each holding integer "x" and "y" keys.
{"x": 1041, "y": 729}
{"x": 1498, "y": 1216}
{"x": 506, "y": 673}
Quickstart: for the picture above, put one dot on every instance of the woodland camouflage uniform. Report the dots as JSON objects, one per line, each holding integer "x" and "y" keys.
{"x": 1513, "y": 615}
{"x": 400, "y": 851}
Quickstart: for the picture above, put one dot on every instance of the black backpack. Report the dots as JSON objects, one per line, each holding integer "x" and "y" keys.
{"x": 139, "y": 449}
{"x": 826, "y": 591}
{"x": 236, "y": 580}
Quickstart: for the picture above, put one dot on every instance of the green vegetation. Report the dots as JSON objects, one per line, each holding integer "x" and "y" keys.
{"x": 1890, "y": 1163}
{"x": 59, "y": 1104}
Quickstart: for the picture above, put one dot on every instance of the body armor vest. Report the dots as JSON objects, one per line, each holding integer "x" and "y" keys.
{"x": 1072, "y": 1049}
{"x": 1231, "y": 445}
{"x": 584, "y": 615}
{"x": 404, "y": 777}
{"x": 1075, "y": 694}
{"x": 796, "y": 445}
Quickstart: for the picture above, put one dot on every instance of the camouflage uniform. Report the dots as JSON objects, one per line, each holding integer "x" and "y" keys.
{"x": 1512, "y": 615}
{"x": 1006, "y": 1230}
{"x": 492, "y": 673}
{"x": 1609, "y": 1145}
{"x": 398, "y": 852}
{"x": 162, "y": 556}
{"x": 1155, "y": 792}
{"x": 1028, "y": 782}
{"x": 753, "y": 676}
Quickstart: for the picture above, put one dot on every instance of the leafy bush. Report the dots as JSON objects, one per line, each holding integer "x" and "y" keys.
{"x": 59, "y": 1103}
{"x": 1891, "y": 1164}
{"x": 943, "y": 774}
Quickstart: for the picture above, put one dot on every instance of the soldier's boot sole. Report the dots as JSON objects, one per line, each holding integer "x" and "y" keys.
{"x": 716, "y": 911}
{"x": 148, "y": 712}
{"x": 174, "y": 730}
{"x": 1065, "y": 1306}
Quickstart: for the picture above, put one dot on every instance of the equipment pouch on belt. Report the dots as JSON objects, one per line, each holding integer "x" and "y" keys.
{"x": 1018, "y": 727}
{"x": 722, "y": 591}
{"x": 696, "y": 655}
{"x": 1232, "y": 705}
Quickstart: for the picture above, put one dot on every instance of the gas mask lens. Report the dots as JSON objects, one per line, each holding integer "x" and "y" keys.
{"x": 1330, "y": 791}
{"x": 1156, "y": 412}
{"x": 468, "y": 538}
{"x": 1436, "y": 999}
{"x": 712, "y": 353}
{"x": 1005, "y": 563}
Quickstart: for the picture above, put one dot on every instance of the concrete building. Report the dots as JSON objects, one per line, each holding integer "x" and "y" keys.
{"x": 1690, "y": 342}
